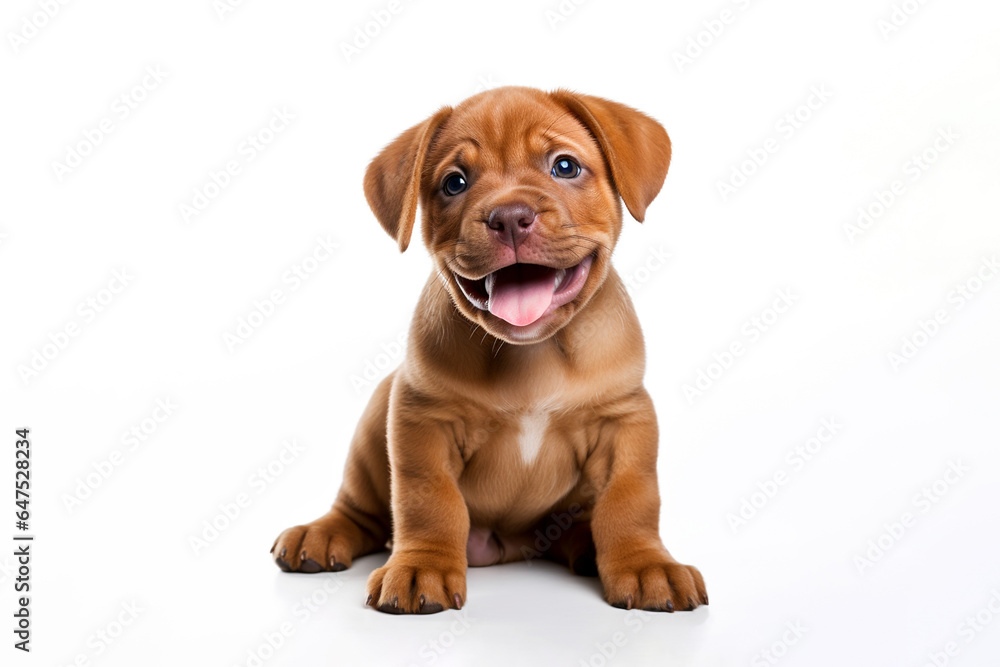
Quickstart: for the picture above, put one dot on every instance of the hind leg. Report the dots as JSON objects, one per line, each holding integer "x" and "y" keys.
{"x": 575, "y": 549}
{"x": 572, "y": 546}
{"x": 359, "y": 522}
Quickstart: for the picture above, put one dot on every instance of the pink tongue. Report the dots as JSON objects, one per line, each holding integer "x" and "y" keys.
{"x": 522, "y": 292}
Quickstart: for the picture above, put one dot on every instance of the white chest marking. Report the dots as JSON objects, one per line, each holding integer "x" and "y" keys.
{"x": 533, "y": 427}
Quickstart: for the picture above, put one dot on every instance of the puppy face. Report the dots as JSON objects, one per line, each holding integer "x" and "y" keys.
{"x": 520, "y": 197}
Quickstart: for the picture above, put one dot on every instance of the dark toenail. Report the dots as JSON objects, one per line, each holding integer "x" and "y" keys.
{"x": 670, "y": 606}
{"x": 282, "y": 564}
{"x": 284, "y": 551}
{"x": 369, "y": 600}
{"x": 337, "y": 567}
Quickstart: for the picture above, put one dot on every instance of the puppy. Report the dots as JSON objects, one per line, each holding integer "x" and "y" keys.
{"x": 517, "y": 426}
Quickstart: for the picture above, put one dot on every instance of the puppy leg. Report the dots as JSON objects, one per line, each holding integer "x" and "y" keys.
{"x": 426, "y": 572}
{"x": 635, "y": 568}
{"x": 359, "y": 522}
{"x": 575, "y": 549}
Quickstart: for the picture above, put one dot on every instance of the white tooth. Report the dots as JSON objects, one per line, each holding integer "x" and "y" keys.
{"x": 560, "y": 277}
{"x": 488, "y": 283}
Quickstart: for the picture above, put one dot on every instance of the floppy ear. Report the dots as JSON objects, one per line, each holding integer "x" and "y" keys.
{"x": 392, "y": 181}
{"x": 636, "y": 147}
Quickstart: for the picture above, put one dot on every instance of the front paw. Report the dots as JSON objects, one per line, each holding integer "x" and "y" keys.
{"x": 321, "y": 546}
{"x": 418, "y": 583}
{"x": 651, "y": 580}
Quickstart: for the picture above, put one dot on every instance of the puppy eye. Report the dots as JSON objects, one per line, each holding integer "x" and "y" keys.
{"x": 455, "y": 184}
{"x": 565, "y": 168}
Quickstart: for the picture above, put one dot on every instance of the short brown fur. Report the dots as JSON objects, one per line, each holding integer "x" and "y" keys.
{"x": 448, "y": 422}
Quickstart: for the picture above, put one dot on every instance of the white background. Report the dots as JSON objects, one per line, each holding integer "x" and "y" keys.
{"x": 301, "y": 374}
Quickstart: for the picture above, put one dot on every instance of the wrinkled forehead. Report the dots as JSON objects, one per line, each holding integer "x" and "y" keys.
{"x": 509, "y": 130}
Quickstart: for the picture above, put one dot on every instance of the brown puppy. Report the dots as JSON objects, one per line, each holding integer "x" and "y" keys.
{"x": 517, "y": 426}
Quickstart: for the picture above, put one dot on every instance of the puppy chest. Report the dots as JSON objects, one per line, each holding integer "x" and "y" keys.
{"x": 531, "y": 430}
{"x": 526, "y": 464}
{"x": 519, "y": 440}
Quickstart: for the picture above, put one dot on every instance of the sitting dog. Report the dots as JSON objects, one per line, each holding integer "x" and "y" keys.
{"x": 517, "y": 426}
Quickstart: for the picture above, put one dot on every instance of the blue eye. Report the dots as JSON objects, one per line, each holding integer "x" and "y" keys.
{"x": 455, "y": 184}
{"x": 565, "y": 168}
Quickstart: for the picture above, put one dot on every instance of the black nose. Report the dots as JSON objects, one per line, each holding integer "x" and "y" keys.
{"x": 512, "y": 223}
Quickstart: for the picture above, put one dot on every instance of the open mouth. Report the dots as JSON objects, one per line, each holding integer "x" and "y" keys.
{"x": 522, "y": 294}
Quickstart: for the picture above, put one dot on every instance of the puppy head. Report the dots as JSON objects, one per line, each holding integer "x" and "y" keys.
{"x": 521, "y": 196}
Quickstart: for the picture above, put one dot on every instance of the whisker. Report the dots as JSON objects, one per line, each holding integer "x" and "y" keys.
{"x": 587, "y": 238}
